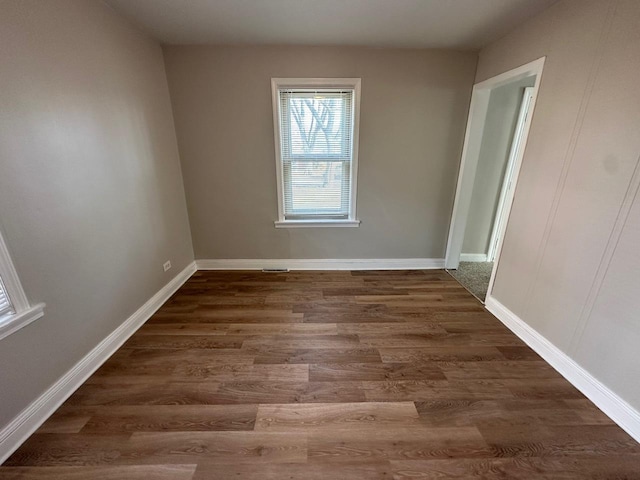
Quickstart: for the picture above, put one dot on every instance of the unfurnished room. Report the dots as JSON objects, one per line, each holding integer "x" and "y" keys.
{"x": 319, "y": 239}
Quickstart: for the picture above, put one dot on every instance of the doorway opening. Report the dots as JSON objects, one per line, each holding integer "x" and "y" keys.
{"x": 497, "y": 129}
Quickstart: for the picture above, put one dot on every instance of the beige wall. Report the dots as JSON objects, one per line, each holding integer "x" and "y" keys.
{"x": 91, "y": 196}
{"x": 413, "y": 113}
{"x": 570, "y": 260}
{"x": 497, "y": 136}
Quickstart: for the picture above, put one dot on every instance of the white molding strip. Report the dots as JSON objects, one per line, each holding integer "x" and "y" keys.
{"x": 322, "y": 264}
{"x": 27, "y": 421}
{"x": 16, "y": 321}
{"x": 316, "y": 223}
{"x": 604, "y": 398}
{"x": 473, "y": 257}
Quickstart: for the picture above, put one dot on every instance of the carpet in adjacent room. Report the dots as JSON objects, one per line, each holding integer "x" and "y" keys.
{"x": 474, "y": 276}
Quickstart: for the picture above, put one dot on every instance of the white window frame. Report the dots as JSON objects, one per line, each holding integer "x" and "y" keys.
{"x": 320, "y": 83}
{"x": 23, "y": 313}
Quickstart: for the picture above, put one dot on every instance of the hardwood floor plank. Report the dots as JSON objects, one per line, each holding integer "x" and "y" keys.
{"x": 390, "y": 328}
{"x": 528, "y": 440}
{"x": 165, "y": 418}
{"x": 497, "y": 370}
{"x": 301, "y": 341}
{"x": 228, "y": 316}
{"x": 130, "y": 472}
{"x": 489, "y": 326}
{"x": 336, "y": 416}
{"x": 269, "y": 355}
{"x": 61, "y": 422}
{"x": 217, "y": 447}
{"x": 416, "y": 390}
{"x": 440, "y": 354}
{"x": 539, "y": 468}
{"x": 439, "y": 340}
{"x": 588, "y": 412}
{"x": 211, "y": 299}
{"x": 363, "y": 290}
{"x": 375, "y": 470}
{"x": 288, "y": 392}
{"x": 180, "y": 342}
{"x": 503, "y": 412}
{"x": 144, "y": 448}
{"x": 258, "y": 314}
{"x": 359, "y": 445}
{"x": 329, "y": 329}
{"x": 342, "y": 307}
{"x": 359, "y": 317}
{"x": 245, "y": 373}
{"x": 542, "y": 388}
{"x": 332, "y": 372}
{"x": 57, "y": 449}
{"x": 165, "y": 361}
{"x": 183, "y": 329}
{"x": 161, "y": 393}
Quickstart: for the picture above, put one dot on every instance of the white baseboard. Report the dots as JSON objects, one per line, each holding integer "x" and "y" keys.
{"x": 28, "y": 421}
{"x": 605, "y": 399}
{"x": 473, "y": 257}
{"x": 322, "y": 264}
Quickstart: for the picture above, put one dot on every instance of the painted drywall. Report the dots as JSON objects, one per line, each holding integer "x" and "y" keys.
{"x": 413, "y": 112}
{"x": 497, "y": 136}
{"x": 91, "y": 195}
{"x": 569, "y": 264}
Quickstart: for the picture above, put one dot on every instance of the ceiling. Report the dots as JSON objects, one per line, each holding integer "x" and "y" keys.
{"x": 455, "y": 24}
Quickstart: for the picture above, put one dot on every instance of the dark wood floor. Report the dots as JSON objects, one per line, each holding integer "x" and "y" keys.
{"x": 325, "y": 375}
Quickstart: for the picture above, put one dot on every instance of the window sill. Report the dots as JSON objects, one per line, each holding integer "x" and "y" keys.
{"x": 316, "y": 223}
{"x": 11, "y": 323}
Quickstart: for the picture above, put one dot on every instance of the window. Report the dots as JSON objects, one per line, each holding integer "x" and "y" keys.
{"x": 5, "y": 304}
{"x": 15, "y": 311}
{"x": 316, "y": 136}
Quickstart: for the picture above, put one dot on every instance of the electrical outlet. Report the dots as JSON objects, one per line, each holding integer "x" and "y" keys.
{"x": 166, "y": 266}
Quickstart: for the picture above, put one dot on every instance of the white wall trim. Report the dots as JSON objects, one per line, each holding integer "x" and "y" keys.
{"x": 13, "y": 322}
{"x": 322, "y": 264}
{"x": 27, "y": 421}
{"x": 473, "y": 257}
{"x": 312, "y": 83}
{"x": 316, "y": 223}
{"x": 480, "y": 96}
{"x": 605, "y": 399}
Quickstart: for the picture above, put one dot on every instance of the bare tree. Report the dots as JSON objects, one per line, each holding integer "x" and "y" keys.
{"x": 322, "y": 123}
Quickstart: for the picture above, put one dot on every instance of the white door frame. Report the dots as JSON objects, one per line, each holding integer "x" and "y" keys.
{"x": 470, "y": 154}
{"x": 516, "y": 144}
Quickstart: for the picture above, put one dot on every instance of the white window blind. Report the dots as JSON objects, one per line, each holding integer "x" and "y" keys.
{"x": 5, "y": 304}
{"x": 316, "y": 139}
